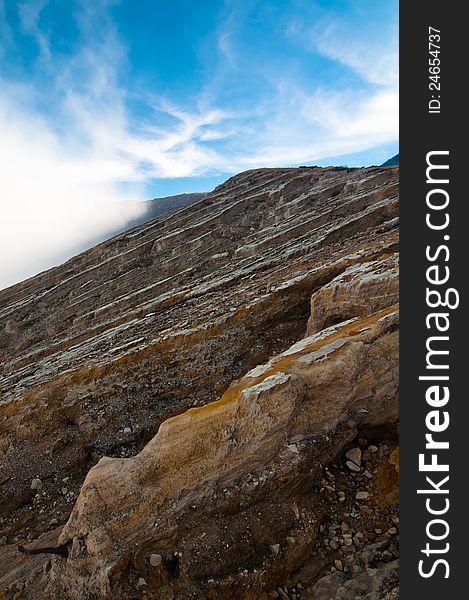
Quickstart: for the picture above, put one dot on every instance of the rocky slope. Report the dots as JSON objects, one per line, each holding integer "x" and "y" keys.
{"x": 175, "y": 355}
{"x": 161, "y": 206}
{"x": 392, "y": 162}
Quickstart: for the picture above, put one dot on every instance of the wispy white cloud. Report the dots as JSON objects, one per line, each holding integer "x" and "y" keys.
{"x": 376, "y": 61}
{"x": 29, "y": 13}
{"x": 54, "y": 200}
{"x": 59, "y": 193}
{"x": 5, "y": 31}
{"x": 71, "y": 174}
{"x": 334, "y": 119}
{"x": 182, "y": 150}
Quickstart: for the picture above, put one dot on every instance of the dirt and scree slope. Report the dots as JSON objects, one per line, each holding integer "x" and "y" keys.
{"x": 206, "y": 405}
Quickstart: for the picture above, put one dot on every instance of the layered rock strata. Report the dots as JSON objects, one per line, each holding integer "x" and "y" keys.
{"x": 231, "y": 472}
{"x": 98, "y": 355}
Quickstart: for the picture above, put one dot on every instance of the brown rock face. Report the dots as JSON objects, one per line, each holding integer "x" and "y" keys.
{"x": 271, "y": 424}
{"x": 174, "y": 349}
{"x": 359, "y": 290}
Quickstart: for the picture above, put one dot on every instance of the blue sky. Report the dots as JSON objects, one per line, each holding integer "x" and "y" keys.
{"x": 107, "y": 100}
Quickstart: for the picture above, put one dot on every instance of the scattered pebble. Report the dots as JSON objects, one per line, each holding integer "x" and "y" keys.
{"x": 296, "y": 510}
{"x": 372, "y": 449}
{"x": 352, "y": 466}
{"x": 155, "y": 560}
{"x": 282, "y": 594}
{"x": 348, "y": 542}
{"x": 128, "y": 430}
{"x": 141, "y": 582}
{"x": 275, "y": 549}
{"x": 338, "y": 565}
{"x": 362, "y": 495}
{"x": 355, "y": 455}
{"x": 36, "y": 484}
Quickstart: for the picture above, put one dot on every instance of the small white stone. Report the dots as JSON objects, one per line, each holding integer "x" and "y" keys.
{"x": 36, "y": 484}
{"x": 155, "y": 560}
{"x": 141, "y": 582}
{"x": 352, "y": 466}
{"x": 127, "y": 430}
{"x": 275, "y": 549}
{"x": 362, "y": 495}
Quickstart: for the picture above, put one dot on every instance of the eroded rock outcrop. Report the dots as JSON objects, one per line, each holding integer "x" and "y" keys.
{"x": 360, "y": 290}
{"x": 272, "y": 424}
{"x": 98, "y": 355}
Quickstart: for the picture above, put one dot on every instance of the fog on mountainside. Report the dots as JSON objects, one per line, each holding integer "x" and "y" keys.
{"x": 76, "y": 233}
